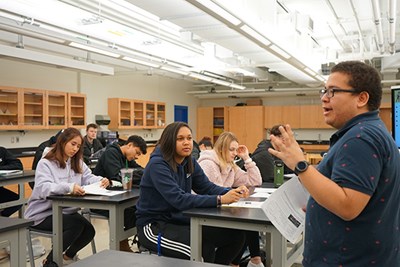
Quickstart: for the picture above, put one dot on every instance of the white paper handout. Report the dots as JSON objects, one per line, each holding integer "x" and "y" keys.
{"x": 96, "y": 189}
{"x": 284, "y": 209}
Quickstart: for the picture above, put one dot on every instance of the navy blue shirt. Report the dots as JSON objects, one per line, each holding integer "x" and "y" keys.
{"x": 363, "y": 157}
{"x": 164, "y": 194}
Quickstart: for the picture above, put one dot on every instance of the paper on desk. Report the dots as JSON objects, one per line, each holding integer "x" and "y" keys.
{"x": 251, "y": 202}
{"x": 9, "y": 172}
{"x": 96, "y": 189}
{"x": 284, "y": 209}
{"x": 263, "y": 192}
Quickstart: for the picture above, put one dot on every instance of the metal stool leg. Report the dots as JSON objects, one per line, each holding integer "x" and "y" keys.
{"x": 30, "y": 248}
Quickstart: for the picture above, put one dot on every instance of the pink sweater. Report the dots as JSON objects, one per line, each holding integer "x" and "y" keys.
{"x": 210, "y": 164}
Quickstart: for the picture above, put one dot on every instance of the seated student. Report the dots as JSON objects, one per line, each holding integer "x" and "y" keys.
{"x": 220, "y": 167}
{"x": 264, "y": 160}
{"x": 165, "y": 192}
{"x": 90, "y": 144}
{"x": 42, "y": 149}
{"x": 8, "y": 162}
{"x": 205, "y": 143}
{"x": 63, "y": 171}
{"x": 113, "y": 159}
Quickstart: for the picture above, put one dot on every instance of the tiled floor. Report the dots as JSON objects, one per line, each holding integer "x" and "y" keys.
{"x": 101, "y": 240}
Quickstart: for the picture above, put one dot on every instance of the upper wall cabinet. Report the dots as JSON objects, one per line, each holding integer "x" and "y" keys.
{"x": 211, "y": 122}
{"x": 33, "y": 109}
{"x": 135, "y": 114}
{"x": 57, "y": 114}
{"x": 76, "y": 110}
{"x": 274, "y": 115}
{"x": 9, "y": 108}
{"x": 312, "y": 117}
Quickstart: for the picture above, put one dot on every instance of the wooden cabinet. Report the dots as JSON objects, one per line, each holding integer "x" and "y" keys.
{"x": 150, "y": 117}
{"x": 385, "y": 112}
{"x": 9, "y": 108}
{"x": 32, "y": 109}
{"x": 211, "y": 121}
{"x": 311, "y": 116}
{"x": 161, "y": 116}
{"x": 246, "y": 123}
{"x": 57, "y": 115}
{"x": 274, "y": 115}
{"x": 138, "y": 114}
{"x": 130, "y": 114}
{"x": 76, "y": 110}
{"x": 121, "y": 113}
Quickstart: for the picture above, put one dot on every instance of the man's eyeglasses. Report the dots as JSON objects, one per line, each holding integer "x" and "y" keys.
{"x": 331, "y": 92}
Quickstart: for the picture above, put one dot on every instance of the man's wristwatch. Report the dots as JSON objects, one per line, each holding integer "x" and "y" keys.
{"x": 301, "y": 166}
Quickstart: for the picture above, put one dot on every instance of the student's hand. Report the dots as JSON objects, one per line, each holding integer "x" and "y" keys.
{"x": 243, "y": 152}
{"x": 234, "y": 195}
{"x": 288, "y": 151}
{"x": 78, "y": 190}
{"x": 104, "y": 183}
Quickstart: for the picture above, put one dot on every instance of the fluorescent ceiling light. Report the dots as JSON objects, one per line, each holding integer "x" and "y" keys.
{"x": 309, "y": 71}
{"x": 11, "y": 16}
{"x": 224, "y": 83}
{"x": 200, "y": 77}
{"x": 139, "y": 54}
{"x": 93, "y": 49}
{"x": 255, "y": 35}
{"x": 320, "y": 78}
{"x": 182, "y": 72}
{"x": 279, "y": 51}
{"x": 220, "y": 11}
{"x": 237, "y": 86}
{"x": 141, "y": 62}
{"x": 54, "y": 60}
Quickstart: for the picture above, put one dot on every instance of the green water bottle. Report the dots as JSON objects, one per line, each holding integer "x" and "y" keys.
{"x": 278, "y": 173}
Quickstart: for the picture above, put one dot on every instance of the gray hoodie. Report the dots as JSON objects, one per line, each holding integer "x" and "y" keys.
{"x": 50, "y": 179}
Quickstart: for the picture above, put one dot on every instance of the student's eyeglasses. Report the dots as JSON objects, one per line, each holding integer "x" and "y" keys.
{"x": 331, "y": 92}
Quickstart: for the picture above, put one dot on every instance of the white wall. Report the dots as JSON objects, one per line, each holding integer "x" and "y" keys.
{"x": 97, "y": 89}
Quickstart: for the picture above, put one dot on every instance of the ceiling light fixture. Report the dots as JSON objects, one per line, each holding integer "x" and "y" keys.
{"x": 256, "y": 35}
{"x": 93, "y": 49}
{"x": 279, "y": 51}
{"x": 54, "y": 60}
{"x": 219, "y": 11}
{"x": 177, "y": 71}
{"x": 200, "y": 77}
{"x": 141, "y": 62}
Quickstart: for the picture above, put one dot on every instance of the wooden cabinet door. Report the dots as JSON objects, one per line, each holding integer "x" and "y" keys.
{"x": 9, "y": 119}
{"x": 32, "y": 104}
{"x": 76, "y": 110}
{"x": 161, "y": 119}
{"x": 386, "y": 115}
{"x": 275, "y": 115}
{"x": 311, "y": 117}
{"x": 272, "y": 116}
{"x": 205, "y": 122}
{"x": 121, "y": 113}
{"x": 56, "y": 110}
{"x": 291, "y": 116}
{"x": 255, "y": 131}
{"x": 237, "y": 123}
{"x": 150, "y": 115}
{"x": 247, "y": 124}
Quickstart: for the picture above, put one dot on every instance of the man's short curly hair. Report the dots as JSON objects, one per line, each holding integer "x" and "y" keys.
{"x": 363, "y": 78}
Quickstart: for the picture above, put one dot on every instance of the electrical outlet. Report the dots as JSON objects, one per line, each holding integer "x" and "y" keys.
{"x": 12, "y": 140}
{"x": 17, "y": 139}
